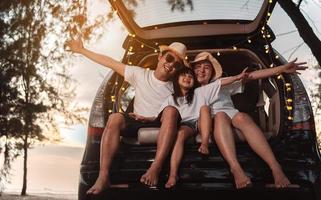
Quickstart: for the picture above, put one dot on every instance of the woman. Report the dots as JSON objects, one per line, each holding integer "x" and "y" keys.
{"x": 206, "y": 67}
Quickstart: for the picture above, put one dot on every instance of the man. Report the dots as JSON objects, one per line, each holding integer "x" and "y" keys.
{"x": 152, "y": 87}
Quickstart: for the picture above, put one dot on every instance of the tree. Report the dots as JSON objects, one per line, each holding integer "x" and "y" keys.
{"x": 304, "y": 29}
{"x": 35, "y": 84}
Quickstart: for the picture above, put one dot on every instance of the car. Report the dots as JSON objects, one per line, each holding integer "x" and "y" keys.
{"x": 237, "y": 34}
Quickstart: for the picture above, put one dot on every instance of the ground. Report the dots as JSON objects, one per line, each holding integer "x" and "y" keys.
{"x": 35, "y": 197}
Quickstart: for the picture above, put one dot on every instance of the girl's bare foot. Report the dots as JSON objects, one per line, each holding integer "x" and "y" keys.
{"x": 241, "y": 179}
{"x": 280, "y": 179}
{"x": 171, "y": 182}
{"x": 203, "y": 149}
{"x": 100, "y": 185}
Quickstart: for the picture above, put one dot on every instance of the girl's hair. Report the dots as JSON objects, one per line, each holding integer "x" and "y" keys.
{"x": 177, "y": 90}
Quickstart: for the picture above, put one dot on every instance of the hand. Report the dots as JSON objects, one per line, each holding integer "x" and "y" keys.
{"x": 75, "y": 45}
{"x": 293, "y": 66}
{"x": 243, "y": 75}
{"x": 138, "y": 117}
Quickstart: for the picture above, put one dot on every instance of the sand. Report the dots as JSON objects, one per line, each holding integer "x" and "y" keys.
{"x": 38, "y": 197}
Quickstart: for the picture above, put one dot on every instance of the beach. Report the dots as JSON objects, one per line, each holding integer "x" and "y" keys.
{"x": 8, "y": 196}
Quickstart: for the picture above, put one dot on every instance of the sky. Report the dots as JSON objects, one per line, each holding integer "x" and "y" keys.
{"x": 46, "y": 175}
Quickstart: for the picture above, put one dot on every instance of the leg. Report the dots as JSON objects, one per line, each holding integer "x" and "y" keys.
{"x": 224, "y": 138}
{"x": 165, "y": 140}
{"x": 183, "y": 134}
{"x": 108, "y": 147}
{"x": 204, "y": 126}
{"x": 255, "y": 137}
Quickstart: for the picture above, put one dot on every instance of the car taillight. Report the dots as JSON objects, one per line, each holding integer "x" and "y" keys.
{"x": 302, "y": 111}
{"x": 93, "y": 131}
{"x": 97, "y": 116}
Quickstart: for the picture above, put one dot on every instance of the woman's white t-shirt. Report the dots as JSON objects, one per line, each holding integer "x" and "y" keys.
{"x": 224, "y": 102}
{"x": 150, "y": 93}
{"x": 202, "y": 96}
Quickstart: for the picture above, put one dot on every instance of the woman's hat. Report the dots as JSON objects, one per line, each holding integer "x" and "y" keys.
{"x": 207, "y": 56}
{"x": 179, "y": 49}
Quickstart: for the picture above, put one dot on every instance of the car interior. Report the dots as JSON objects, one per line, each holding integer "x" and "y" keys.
{"x": 260, "y": 98}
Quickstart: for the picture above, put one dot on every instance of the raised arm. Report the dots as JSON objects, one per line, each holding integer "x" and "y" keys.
{"x": 77, "y": 46}
{"x": 290, "y": 67}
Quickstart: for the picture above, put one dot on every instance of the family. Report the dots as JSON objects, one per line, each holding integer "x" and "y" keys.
{"x": 184, "y": 99}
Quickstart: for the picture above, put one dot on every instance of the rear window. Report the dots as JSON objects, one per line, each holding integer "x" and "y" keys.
{"x": 150, "y": 13}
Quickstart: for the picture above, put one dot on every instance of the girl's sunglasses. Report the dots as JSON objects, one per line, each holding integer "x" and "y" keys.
{"x": 171, "y": 59}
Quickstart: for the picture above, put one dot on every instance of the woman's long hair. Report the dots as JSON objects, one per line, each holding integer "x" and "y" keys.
{"x": 177, "y": 90}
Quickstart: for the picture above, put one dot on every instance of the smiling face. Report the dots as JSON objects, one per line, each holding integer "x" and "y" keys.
{"x": 168, "y": 64}
{"x": 186, "y": 81}
{"x": 203, "y": 71}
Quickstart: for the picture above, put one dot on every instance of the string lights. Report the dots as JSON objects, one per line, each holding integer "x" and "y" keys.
{"x": 267, "y": 48}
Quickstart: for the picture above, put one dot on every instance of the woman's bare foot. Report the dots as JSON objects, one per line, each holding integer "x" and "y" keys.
{"x": 203, "y": 149}
{"x": 100, "y": 185}
{"x": 171, "y": 182}
{"x": 241, "y": 179}
{"x": 280, "y": 179}
{"x": 150, "y": 178}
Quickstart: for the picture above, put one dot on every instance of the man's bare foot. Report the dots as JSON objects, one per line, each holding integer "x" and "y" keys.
{"x": 241, "y": 179}
{"x": 203, "y": 149}
{"x": 100, "y": 185}
{"x": 171, "y": 182}
{"x": 150, "y": 178}
{"x": 280, "y": 179}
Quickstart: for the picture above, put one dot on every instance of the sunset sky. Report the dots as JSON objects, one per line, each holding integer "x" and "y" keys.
{"x": 46, "y": 175}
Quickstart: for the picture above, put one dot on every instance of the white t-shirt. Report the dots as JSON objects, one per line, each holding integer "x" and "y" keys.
{"x": 150, "y": 93}
{"x": 224, "y": 102}
{"x": 202, "y": 96}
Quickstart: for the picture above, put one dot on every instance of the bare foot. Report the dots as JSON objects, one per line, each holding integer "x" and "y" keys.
{"x": 100, "y": 185}
{"x": 150, "y": 178}
{"x": 280, "y": 179}
{"x": 203, "y": 149}
{"x": 241, "y": 179}
{"x": 171, "y": 182}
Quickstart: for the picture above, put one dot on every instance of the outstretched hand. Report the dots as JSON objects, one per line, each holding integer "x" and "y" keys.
{"x": 75, "y": 45}
{"x": 243, "y": 75}
{"x": 293, "y": 66}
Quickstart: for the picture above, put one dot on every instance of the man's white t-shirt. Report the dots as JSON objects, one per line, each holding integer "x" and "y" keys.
{"x": 150, "y": 93}
{"x": 202, "y": 96}
{"x": 224, "y": 102}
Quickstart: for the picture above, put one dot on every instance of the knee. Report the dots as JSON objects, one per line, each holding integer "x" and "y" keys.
{"x": 170, "y": 112}
{"x": 115, "y": 120}
{"x": 241, "y": 118}
{"x": 221, "y": 116}
{"x": 205, "y": 109}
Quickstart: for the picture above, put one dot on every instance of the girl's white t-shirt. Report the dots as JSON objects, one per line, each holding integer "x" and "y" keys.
{"x": 150, "y": 93}
{"x": 202, "y": 96}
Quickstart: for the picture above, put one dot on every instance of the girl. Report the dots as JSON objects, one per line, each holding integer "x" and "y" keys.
{"x": 188, "y": 102}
